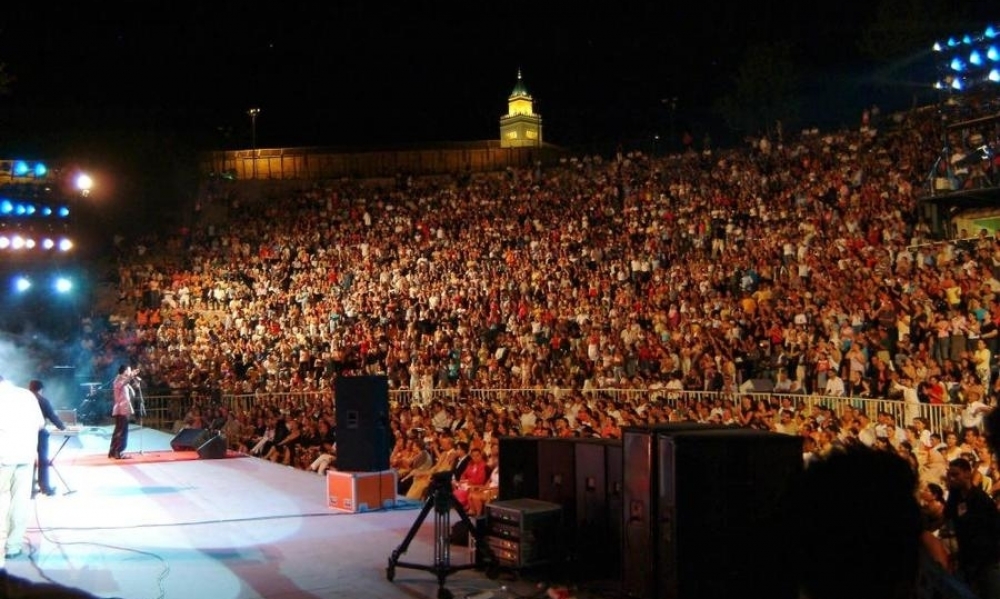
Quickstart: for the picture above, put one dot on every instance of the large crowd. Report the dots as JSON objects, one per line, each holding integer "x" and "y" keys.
{"x": 804, "y": 261}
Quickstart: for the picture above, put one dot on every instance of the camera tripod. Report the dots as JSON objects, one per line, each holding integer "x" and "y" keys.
{"x": 442, "y": 501}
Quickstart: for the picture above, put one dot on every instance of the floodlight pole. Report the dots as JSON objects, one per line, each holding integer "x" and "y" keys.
{"x": 253, "y": 112}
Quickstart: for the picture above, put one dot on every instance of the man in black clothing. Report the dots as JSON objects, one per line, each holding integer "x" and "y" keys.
{"x": 462, "y": 459}
{"x": 974, "y": 517}
{"x": 36, "y": 386}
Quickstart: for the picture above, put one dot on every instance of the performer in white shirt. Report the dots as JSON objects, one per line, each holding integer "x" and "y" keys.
{"x": 20, "y": 421}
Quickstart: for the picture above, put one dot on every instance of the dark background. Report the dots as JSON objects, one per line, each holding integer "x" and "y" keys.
{"x": 136, "y": 88}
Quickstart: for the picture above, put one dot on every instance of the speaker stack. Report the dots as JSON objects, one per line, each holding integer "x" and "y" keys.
{"x": 363, "y": 436}
{"x": 703, "y": 511}
{"x": 584, "y": 477}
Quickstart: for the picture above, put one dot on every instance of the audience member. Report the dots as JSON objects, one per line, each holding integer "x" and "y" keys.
{"x": 973, "y": 516}
{"x": 857, "y": 526}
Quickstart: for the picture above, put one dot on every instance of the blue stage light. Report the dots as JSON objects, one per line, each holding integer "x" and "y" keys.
{"x": 63, "y": 285}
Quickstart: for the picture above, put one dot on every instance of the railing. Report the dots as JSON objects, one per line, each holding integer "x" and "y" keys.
{"x": 164, "y": 411}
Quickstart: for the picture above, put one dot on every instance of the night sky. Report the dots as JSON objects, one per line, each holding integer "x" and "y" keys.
{"x": 159, "y": 79}
{"x": 348, "y": 71}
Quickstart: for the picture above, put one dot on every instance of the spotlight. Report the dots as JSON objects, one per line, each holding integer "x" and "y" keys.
{"x": 63, "y": 285}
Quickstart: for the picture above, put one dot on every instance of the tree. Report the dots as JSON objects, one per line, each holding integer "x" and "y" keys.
{"x": 763, "y": 91}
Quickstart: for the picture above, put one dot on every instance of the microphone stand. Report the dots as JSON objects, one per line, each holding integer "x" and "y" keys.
{"x": 142, "y": 411}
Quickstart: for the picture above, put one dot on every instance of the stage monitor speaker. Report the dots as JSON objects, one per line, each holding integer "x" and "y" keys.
{"x": 363, "y": 436}
{"x": 188, "y": 439}
{"x": 212, "y": 448}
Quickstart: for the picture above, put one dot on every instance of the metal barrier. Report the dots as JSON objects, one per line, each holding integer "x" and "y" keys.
{"x": 163, "y": 411}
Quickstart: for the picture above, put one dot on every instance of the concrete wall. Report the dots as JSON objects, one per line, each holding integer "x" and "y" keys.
{"x": 326, "y": 163}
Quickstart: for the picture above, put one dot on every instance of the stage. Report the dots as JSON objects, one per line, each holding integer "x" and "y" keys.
{"x": 160, "y": 526}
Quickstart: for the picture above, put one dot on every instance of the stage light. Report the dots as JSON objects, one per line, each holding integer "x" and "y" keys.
{"x": 40, "y": 170}
{"x": 4, "y": 242}
{"x": 29, "y": 209}
{"x": 65, "y": 245}
{"x": 29, "y": 243}
{"x": 19, "y": 209}
{"x": 46, "y": 211}
{"x": 937, "y": 47}
{"x": 994, "y": 76}
{"x": 21, "y": 168}
{"x": 22, "y": 284}
{"x": 17, "y": 242}
{"x": 6, "y": 206}
{"x": 972, "y": 67}
{"x": 63, "y": 285}
{"x": 84, "y": 183}
{"x": 48, "y": 244}
{"x": 63, "y": 211}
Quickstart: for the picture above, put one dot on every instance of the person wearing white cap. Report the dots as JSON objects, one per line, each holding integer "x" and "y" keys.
{"x": 20, "y": 421}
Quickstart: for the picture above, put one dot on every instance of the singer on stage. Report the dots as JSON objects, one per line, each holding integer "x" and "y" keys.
{"x": 122, "y": 410}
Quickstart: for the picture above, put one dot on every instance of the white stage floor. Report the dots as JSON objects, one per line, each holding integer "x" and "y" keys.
{"x": 237, "y": 528}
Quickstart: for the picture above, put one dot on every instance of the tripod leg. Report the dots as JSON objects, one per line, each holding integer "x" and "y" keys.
{"x": 442, "y": 546}
{"x": 390, "y": 571}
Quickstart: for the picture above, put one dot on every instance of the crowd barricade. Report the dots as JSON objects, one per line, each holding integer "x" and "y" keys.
{"x": 162, "y": 411}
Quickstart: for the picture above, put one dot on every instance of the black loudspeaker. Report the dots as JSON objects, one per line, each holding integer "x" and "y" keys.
{"x": 584, "y": 477}
{"x": 188, "y": 439}
{"x": 212, "y": 448}
{"x": 598, "y": 503}
{"x": 703, "y": 512}
{"x": 363, "y": 436}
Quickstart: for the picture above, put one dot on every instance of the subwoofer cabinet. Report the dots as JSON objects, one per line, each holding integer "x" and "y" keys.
{"x": 581, "y": 475}
{"x": 524, "y": 533}
{"x": 702, "y": 512}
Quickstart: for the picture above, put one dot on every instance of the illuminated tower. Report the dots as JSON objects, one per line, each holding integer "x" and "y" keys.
{"x": 521, "y": 127}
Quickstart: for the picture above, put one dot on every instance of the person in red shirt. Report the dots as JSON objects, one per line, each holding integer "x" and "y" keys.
{"x": 475, "y": 475}
{"x": 935, "y": 390}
